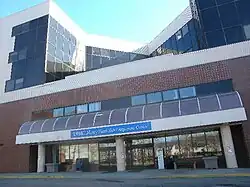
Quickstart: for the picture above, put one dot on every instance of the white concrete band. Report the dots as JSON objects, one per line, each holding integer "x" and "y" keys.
{"x": 228, "y": 146}
{"x": 120, "y": 154}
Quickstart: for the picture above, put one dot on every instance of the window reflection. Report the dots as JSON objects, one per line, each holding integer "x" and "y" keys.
{"x": 187, "y": 92}
{"x": 58, "y": 112}
{"x": 186, "y": 149}
{"x": 199, "y": 144}
{"x": 213, "y": 142}
{"x": 172, "y": 145}
{"x": 138, "y": 100}
{"x": 93, "y": 107}
{"x": 81, "y": 109}
{"x": 70, "y": 110}
{"x": 170, "y": 95}
{"x": 154, "y": 97}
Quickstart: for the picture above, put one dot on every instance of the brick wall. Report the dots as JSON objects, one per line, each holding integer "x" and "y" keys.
{"x": 15, "y": 158}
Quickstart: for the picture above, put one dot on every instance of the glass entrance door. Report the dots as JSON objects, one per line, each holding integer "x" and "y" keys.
{"x": 107, "y": 154}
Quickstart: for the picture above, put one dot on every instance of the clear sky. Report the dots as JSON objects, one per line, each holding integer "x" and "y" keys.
{"x": 132, "y": 20}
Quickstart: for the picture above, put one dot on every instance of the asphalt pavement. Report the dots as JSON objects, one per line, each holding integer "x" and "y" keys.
{"x": 195, "y": 182}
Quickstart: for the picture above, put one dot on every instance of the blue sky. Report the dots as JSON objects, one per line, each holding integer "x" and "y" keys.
{"x": 133, "y": 20}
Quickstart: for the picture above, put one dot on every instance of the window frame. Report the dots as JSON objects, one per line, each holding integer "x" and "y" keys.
{"x": 153, "y": 94}
{"x": 137, "y": 96}
{"x": 194, "y": 91}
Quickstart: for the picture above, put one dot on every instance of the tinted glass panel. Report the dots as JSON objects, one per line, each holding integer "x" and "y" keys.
{"x": 154, "y": 97}
{"x": 58, "y": 112}
{"x": 219, "y": 2}
{"x": 9, "y": 85}
{"x": 170, "y": 95}
{"x": 94, "y": 107}
{"x": 138, "y": 100}
{"x": 152, "y": 111}
{"x": 234, "y": 35}
{"x": 206, "y": 3}
{"x": 71, "y": 110}
{"x": 243, "y": 10}
{"x": 247, "y": 31}
{"x": 187, "y": 92}
{"x": 19, "y": 83}
{"x": 211, "y": 20}
{"x": 110, "y": 104}
{"x": 215, "y": 38}
{"x": 228, "y": 15}
{"x": 82, "y": 108}
{"x": 189, "y": 106}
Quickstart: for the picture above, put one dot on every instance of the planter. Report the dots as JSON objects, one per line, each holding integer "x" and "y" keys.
{"x": 211, "y": 162}
{"x": 51, "y": 167}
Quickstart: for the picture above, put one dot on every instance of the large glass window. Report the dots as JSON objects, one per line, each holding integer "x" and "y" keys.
{"x": 19, "y": 83}
{"x": 9, "y": 85}
{"x": 58, "y": 112}
{"x": 213, "y": 142}
{"x": 228, "y": 15}
{"x": 186, "y": 145}
{"x": 82, "y": 108}
{"x": 211, "y": 20}
{"x": 154, "y": 97}
{"x": 93, "y": 107}
{"x": 138, "y": 100}
{"x": 185, "y": 30}
{"x": 199, "y": 143}
{"x": 206, "y": 3}
{"x": 64, "y": 155}
{"x": 93, "y": 153}
{"x": 178, "y": 35}
{"x": 247, "y": 31}
{"x": 13, "y": 57}
{"x": 172, "y": 145}
{"x": 70, "y": 110}
{"x": 234, "y": 34}
{"x": 215, "y": 38}
{"x": 170, "y": 95}
{"x": 187, "y": 92}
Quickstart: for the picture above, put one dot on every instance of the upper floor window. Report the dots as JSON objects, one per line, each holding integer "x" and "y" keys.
{"x": 58, "y": 112}
{"x": 178, "y": 35}
{"x": 185, "y": 30}
{"x": 187, "y": 92}
{"x": 138, "y": 100}
{"x": 93, "y": 107}
{"x": 70, "y": 110}
{"x": 170, "y": 95}
{"x": 154, "y": 97}
{"x": 82, "y": 108}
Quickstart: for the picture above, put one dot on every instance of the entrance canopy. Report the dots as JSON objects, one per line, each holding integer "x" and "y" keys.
{"x": 173, "y": 111}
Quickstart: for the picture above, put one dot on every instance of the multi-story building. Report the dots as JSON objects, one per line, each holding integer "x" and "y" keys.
{"x": 67, "y": 95}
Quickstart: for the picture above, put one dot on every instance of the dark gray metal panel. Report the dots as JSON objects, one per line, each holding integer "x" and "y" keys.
{"x": 36, "y": 127}
{"x": 102, "y": 118}
{"x": 152, "y": 111}
{"x": 170, "y": 109}
{"x": 87, "y": 120}
{"x": 48, "y": 125}
{"x": 135, "y": 114}
{"x": 24, "y": 129}
{"x": 73, "y": 122}
{"x": 60, "y": 123}
{"x": 209, "y": 103}
{"x": 117, "y": 103}
{"x": 189, "y": 106}
{"x": 229, "y": 101}
{"x": 118, "y": 116}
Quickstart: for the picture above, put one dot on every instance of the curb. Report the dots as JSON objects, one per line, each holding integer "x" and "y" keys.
{"x": 204, "y": 176}
{"x": 31, "y": 177}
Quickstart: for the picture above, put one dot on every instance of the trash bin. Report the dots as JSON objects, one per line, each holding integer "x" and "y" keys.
{"x": 211, "y": 162}
{"x": 51, "y": 167}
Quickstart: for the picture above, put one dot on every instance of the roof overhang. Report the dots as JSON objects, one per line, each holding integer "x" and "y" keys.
{"x": 188, "y": 121}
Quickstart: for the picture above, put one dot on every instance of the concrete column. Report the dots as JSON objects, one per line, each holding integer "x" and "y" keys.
{"x": 120, "y": 154}
{"x": 41, "y": 158}
{"x": 228, "y": 146}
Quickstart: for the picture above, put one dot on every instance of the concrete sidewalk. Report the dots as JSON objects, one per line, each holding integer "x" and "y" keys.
{"x": 145, "y": 174}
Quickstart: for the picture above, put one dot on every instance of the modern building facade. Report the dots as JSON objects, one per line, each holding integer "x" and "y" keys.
{"x": 67, "y": 95}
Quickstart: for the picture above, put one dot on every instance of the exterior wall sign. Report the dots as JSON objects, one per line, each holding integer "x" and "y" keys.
{"x": 112, "y": 130}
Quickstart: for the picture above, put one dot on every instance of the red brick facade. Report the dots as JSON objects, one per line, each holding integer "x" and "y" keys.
{"x": 15, "y": 158}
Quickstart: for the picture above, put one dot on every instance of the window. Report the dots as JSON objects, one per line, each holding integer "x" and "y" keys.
{"x": 19, "y": 83}
{"x": 138, "y": 100}
{"x": 228, "y": 15}
{"x": 13, "y": 57}
{"x": 81, "y": 109}
{"x": 215, "y": 38}
{"x": 247, "y": 31}
{"x": 170, "y": 95}
{"x": 219, "y": 2}
{"x": 89, "y": 50}
{"x": 172, "y": 144}
{"x": 186, "y": 145}
{"x": 206, "y": 3}
{"x": 187, "y": 92}
{"x": 211, "y": 20}
{"x": 93, "y": 107}
{"x": 9, "y": 85}
{"x": 213, "y": 142}
{"x": 58, "y": 112}
{"x": 178, "y": 35}
{"x": 96, "y": 51}
{"x": 154, "y": 97}
{"x": 199, "y": 143}
{"x": 234, "y": 34}
{"x": 70, "y": 110}
{"x": 22, "y": 54}
{"x": 105, "y": 52}
{"x": 185, "y": 30}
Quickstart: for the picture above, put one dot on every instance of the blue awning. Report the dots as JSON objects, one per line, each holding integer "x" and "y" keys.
{"x": 169, "y": 109}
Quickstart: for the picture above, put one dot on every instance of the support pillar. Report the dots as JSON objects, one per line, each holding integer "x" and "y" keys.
{"x": 228, "y": 146}
{"x": 120, "y": 154}
{"x": 41, "y": 158}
